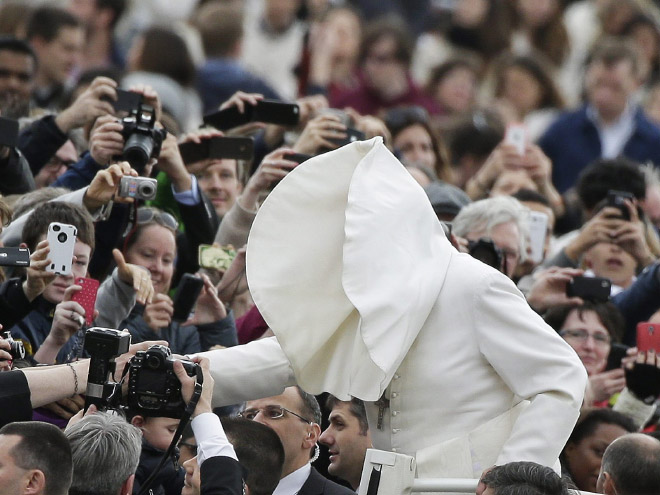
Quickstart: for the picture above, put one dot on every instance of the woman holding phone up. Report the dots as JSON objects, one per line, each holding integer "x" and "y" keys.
{"x": 151, "y": 243}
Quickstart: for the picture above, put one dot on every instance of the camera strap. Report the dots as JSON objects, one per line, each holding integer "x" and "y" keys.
{"x": 185, "y": 418}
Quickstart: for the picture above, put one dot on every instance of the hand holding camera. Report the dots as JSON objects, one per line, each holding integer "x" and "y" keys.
{"x": 92, "y": 103}
{"x": 273, "y": 168}
{"x": 643, "y": 376}
{"x": 158, "y": 313}
{"x": 549, "y": 288}
{"x": 105, "y": 184}
{"x": 630, "y": 234}
{"x": 37, "y": 277}
{"x": 69, "y": 317}
{"x": 10, "y": 350}
{"x": 208, "y": 307}
{"x": 319, "y": 133}
{"x": 188, "y": 384}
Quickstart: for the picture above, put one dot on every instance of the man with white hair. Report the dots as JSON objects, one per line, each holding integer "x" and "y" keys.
{"x": 501, "y": 219}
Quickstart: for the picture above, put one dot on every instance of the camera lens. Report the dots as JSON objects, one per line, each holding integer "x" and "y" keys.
{"x": 153, "y": 362}
{"x": 137, "y": 150}
{"x": 56, "y": 228}
{"x": 62, "y": 237}
{"x": 146, "y": 190}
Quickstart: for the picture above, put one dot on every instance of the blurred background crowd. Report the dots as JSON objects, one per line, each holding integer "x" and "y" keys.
{"x": 532, "y": 125}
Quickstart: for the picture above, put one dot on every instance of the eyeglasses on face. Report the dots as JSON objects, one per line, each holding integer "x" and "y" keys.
{"x": 581, "y": 336}
{"x": 270, "y": 412}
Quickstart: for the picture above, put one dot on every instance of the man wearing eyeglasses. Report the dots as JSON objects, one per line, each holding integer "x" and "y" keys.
{"x": 65, "y": 157}
{"x": 295, "y": 416}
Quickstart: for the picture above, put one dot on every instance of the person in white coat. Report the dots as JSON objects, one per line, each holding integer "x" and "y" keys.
{"x": 350, "y": 267}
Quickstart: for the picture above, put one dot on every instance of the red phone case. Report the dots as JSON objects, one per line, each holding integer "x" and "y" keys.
{"x": 648, "y": 336}
{"x": 87, "y": 297}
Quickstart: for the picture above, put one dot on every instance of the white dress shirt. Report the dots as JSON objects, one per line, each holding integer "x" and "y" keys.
{"x": 211, "y": 438}
{"x": 293, "y": 482}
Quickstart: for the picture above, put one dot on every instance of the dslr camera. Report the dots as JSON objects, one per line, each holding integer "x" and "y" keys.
{"x": 16, "y": 347}
{"x": 153, "y": 387}
{"x": 141, "y": 137}
{"x": 487, "y": 252}
{"x": 104, "y": 345}
{"x": 137, "y": 187}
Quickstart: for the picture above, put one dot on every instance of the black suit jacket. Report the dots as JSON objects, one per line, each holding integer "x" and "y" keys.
{"x": 221, "y": 475}
{"x": 316, "y": 484}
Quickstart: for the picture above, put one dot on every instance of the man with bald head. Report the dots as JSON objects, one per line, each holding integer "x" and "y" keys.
{"x": 631, "y": 466}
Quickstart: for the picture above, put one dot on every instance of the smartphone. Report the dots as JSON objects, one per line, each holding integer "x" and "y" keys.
{"x": 267, "y": 111}
{"x": 616, "y": 199}
{"x": 298, "y": 157}
{"x": 595, "y": 289}
{"x": 126, "y": 101}
{"x": 186, "y": 296}
{"x": 352, "y": 135}
{"x": 8, "y": 132}
{"x": 538, "y": 228}
{"x": 216, "y": 257}
{"x": 14, "y": 256}
{"x": 219, "y": 147}
{"x": 87, "y": 297}
{"x": 616, "y": 355}
{"x": 516, "y": 135}
{"x": 61, "y": 240}
{"x": 648, "y": 337}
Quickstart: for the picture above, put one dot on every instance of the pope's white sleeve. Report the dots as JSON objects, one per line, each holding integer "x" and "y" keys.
{"x": 536, "y": 364}
{"x": 251, "y": 371}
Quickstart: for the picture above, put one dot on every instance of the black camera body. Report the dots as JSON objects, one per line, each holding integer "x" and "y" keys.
{"x": 142, "y": 140}
{"x": 487, "y": 252}
{"x": 617, "y": 199}
{"x": 16, "y": 347}
{"x": 153, "y": 387}
{"x": 103, "y": 345}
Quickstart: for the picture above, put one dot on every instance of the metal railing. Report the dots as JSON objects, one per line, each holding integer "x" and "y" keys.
{"x": 455, "y": 485}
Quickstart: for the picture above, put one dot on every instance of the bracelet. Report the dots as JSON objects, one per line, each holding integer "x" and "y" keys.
{"x": 75, "y": 380}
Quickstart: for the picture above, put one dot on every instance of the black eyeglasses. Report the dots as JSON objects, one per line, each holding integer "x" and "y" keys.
{"x": 271, "y": 412}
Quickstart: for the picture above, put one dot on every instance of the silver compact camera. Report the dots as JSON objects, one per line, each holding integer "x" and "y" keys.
{"x": 137, "y": 187}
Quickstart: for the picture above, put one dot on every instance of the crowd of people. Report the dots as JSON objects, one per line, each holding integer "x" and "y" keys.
{"x": 458, "y": 238}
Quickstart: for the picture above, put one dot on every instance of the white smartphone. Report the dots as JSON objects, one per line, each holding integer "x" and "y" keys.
{"x": 516, "y": 135}
{"x": 538, "y": 228}
{"x": 61, "y": 240}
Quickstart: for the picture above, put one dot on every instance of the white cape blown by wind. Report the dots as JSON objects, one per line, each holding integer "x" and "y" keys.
{"x": 345, "y": 260}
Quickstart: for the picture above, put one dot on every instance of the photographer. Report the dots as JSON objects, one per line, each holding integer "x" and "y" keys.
{"x": 28, "y": 388}
{"x": 41, "y": 140}
{"x": 503, "y": 220}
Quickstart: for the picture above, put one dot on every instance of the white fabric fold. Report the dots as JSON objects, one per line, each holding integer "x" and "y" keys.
{"x": 345, "y": 260}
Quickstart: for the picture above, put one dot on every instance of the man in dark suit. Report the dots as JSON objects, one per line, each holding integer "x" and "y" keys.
{"x": 295, "y": 416}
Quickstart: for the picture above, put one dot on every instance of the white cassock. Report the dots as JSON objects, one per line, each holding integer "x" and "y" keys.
{"x": 349, "y": 266}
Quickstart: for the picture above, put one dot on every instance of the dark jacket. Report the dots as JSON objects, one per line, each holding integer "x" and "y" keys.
{"x": 15, "y": 173}
{"x": 170, "y": 478}
{"x": 639, "y": 301}
{"x": 572, "y": 142}
{"x": 40, "y": 141}
{"x": 35, "y": 327}
{"x": 14, "y": 306}
{"x": 221, "y": 475}
{"x": 318, "y": 485}
{"x": 183, "y": 340}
